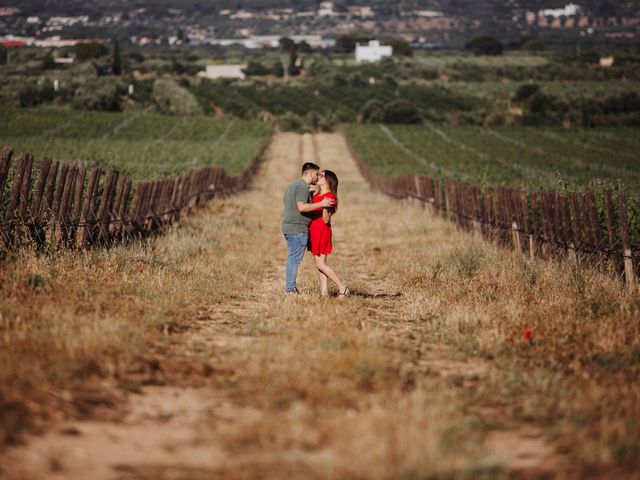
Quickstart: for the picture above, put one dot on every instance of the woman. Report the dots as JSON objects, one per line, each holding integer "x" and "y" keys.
{"x": 320, "y": 233}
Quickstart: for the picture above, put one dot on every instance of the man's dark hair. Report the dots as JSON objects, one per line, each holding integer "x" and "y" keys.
{"x": 309, "y": 166}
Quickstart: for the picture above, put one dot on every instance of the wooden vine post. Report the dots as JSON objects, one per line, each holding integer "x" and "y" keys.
{"x": 14, "y": 199}
{"x": 515, "y": 237}
{"x": 629, "y": 274}
{"x": 86, "y": 233}
{"x": 37, "y": 232}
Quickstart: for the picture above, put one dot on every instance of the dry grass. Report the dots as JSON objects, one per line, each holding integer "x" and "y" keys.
{"x": 436, "y": 382}
{"x": 76, "y": 316}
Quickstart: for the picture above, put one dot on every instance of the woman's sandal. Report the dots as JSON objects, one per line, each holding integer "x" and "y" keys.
{"x": 346, "y": 293}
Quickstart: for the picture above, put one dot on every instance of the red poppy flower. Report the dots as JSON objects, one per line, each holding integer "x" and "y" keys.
{"x": 528, "y": 333}
{"x": 141, "y": 270}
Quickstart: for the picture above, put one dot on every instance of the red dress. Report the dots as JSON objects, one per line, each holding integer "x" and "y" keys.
{"x": 320, "y": 232}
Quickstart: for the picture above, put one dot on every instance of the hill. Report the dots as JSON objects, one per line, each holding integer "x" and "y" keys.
{"x": 451, "y": 22}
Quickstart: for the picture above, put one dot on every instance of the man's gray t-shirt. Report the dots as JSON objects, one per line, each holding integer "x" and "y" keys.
{"x": 293, "y": 221}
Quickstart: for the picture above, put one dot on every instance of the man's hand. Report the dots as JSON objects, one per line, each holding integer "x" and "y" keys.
{"x": 327, "y": 202}
{"x": 312, "y": 207}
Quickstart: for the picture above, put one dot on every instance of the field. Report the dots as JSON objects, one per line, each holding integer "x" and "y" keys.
{"x": 140, "y": 145}
{"x": 453, "y": 360}
{"x": 178, "y": 356}
{"x": 529, "y": 157}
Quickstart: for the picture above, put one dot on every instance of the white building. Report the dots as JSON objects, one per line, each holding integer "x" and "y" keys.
{"x": 223, "y": 71}
{"x": 372, "y": 52}
{"x": 569, "y": 10}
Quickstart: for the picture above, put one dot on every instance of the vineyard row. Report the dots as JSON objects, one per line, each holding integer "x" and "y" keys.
{"x": 74, "y": 207}
{"x": 543, "y": 223}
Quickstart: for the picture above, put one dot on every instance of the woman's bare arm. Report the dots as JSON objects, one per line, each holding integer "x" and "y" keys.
{"x": 326, "y": 215}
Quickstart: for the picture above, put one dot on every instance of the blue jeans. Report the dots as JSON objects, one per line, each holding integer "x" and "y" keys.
{"x": 296, "y": 245}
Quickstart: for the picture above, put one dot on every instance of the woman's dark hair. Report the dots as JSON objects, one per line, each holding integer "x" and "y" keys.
{"x": 332, "y": 180}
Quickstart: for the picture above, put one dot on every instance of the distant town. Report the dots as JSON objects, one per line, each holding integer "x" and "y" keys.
{"x": 262, "y": 28}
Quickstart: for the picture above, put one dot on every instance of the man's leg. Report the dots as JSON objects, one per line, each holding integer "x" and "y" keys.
{"x": 296, "y": 245}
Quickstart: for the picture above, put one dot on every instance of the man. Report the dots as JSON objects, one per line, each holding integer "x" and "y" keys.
{"x": 298, "y": 205}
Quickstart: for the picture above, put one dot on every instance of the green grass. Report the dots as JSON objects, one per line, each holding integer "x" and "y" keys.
{"x": 141, "y": 145}
{"x": 530, "y": 157}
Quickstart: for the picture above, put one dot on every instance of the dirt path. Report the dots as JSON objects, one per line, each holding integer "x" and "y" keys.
{"x": 265, "y": 386}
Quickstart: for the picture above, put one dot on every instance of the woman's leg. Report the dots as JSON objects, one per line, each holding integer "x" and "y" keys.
{"x": 324, "y": 284}
{"x": 321, "y": 263}
{"x": 324, "y": 281}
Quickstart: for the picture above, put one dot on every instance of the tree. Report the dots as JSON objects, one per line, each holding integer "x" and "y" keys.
{"x": 304, "y": 47}
{"x": 287, "y": 44}
{"x": 401, "y": 47}
{"x": 89, "y": 51}
{"x": 485, "y": 45}
{"x": 116, "y": 66}
{"x": 48, "y": 63}
{"x": 293, "y": 70}
{"x": 347, "y": 43}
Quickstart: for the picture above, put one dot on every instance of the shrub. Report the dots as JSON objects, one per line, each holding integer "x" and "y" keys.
{"x": 313, "y": 119}
{"x": 290, "y": 122}
{"x": 278, "y": 69}
{"x": 402, "y": 111}
{"x": 485, "y": 45}
{"x": 328, "y": 123}
{"x": 624, "y": 103}
{"x": 142, "y": 90}
{"x": 173, "y": 99}
{"x": 467, "y": 261}
{"x": 31, "y": 94}
{"x": 238, "y": 108}
{"x": 256, "y": 68}
{"x": 355, "y": 80}
{"x": 543, "y": 109}
{"x": 339, "y": 80}
{"x": 495, "y": 119}
{"x": 540, "y": 103}
{"x": 390, "y": 81}
{"x": 526, "y": 91}
{"x": 537, "y": 44}
{"x": 99, "y": 95}
{"x": 372, "y": 112}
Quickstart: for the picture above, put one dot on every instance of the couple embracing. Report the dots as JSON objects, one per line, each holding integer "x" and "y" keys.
{"x": 306, "y": 224}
